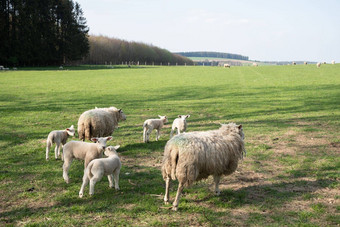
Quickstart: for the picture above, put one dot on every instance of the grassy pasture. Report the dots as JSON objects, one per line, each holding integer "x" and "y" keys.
{"x": 291, "y": 119}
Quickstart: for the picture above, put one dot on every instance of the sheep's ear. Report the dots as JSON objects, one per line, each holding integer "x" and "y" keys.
{"x": 96, "y": 107}
{"x": 120, "y": 110}
{"x": 116, "y": 147}
{"x": 94, "y": 139}
{"x": 160, "y": 116}
{"x": 72, "y": 126}
{"x": 109, "y": 138}
{"x": 240, "y": 126}
{"x": 180, "y": 116}
{"x": 188, "y": 116}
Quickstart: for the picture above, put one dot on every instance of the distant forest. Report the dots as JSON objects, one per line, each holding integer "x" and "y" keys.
{"x": 106, "y": 50}
{"x": 213, "y": 55}
{"x": 41, "y": 32}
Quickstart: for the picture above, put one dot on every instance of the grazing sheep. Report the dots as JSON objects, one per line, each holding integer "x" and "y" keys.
{"x": 226, "y": 66}
{"x": 59, "y": 137}
{"x": 255, "y": 64}
{"x": 293, "y": 63}
{"x": 99, "y": 122}
{"x": 97, "y": 168}
{"x": 83, "y": 151}
{"x": 333, "y": 62}
{"x": 193, "y": 156}
{"x": 305, "y": 63}
{"x": 151, "y": 124}
{"x": 318, "y": 64}
{"x": 180, "y": 123}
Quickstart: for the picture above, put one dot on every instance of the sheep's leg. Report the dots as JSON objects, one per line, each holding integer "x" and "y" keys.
{"x": 57, "y": 150}
{"x": 167, "y": 186}
{"x": 144, "y": 135}
{"x": 178, "y": 196}
{"x": 217, "y": 182}
{"x": 85, "y": 182}
{"x": 66, "y": 166}
{"x": 110, "y": 178}
{"x": 148, "y": 132}
{"x": 62, "y": 154}
{"x": 48, "y": 147}
{"x": 116, "y": 178}
{"x": 158, "y": 134}
{"x": 93, "y": 182}
{"x": 178, "y": 131}
{"x": 171, "y": 133}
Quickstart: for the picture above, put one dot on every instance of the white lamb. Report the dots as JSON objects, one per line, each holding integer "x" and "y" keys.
{"x": 83, "y": 151}
{"x": 318, "y": 64}
{"x": 151, "y": 124}
{"x": 180, "y": 123}
{"x": 333, "y": 62}
{"x": 59, "y": 137}
{"x": 97, "y": 168}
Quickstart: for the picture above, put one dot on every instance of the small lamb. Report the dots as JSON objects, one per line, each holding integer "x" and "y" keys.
{"x": 59, "y": 137}
{"x": 151, "y": 124}
{"x": 97, "y": 168}
{"x": 83, "y": 151}
{"x": 180, "y": 123}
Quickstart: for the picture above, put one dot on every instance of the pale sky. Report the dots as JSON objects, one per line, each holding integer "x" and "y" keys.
{"x": 273, "y": 30}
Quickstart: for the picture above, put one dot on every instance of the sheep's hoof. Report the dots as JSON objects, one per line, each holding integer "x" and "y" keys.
{"x": 174, "y": 208}
{"x": 47, "y": 159}
{"x": 166, "y": 202}
{"x": 80, "y": 195}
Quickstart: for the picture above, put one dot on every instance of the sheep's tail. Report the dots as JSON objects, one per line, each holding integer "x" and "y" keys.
{"x": 87, "y": 129}
{"x": 88, "y": 170}
{"x": 173, "y": 162}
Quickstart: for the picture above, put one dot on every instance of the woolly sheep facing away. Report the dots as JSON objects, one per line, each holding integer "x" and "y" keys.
{"x": 59, "y": 137}
{"x": 318, "y": 64}
{"x": 97, "y": 168}
{"x": 83, "y": 151}
{"x": 99, "y": 122}
{"x": 193, "y": 156}
{"x": 152, "y": 124}
{"x": 180, "y": 123}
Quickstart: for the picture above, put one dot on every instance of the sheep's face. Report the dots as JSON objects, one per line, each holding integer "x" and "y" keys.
{"x": 163, "y": 118}
{"x": 71, "y": 131}
{"x": 111, "y": 150}
{"x": 122, "y": 116}
{"x": 183, "y": 117}
{"x": 101, "y": 141}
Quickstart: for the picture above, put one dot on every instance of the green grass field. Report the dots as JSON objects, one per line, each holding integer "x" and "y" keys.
{"x": 290, "y": 116}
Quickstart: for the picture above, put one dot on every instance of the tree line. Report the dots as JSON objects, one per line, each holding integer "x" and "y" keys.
{"x": 207, "y": 54}
{"x": 42, "y": 32}
{"x": 106, "y": 50}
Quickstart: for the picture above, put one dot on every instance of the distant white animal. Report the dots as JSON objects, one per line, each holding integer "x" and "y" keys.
{"x": 226, "y": 66}
{"x": 97, "y": 168}
{"x": 59, "y": 137}
{"x": 180, "y": 123}
{"x": 152, "y": 124}
{"x": 333, "y": 62}
{"x": 255, "y": 64}
{"x": 318, "y": 64}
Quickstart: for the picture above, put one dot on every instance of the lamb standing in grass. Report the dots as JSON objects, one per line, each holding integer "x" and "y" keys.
{"x": 318, "y": 65}
{"x": 99, "y": 122}
{"x": 59, "y": 137}
{"x": 83, "y": 151}
{"x": 151, "y": 124}
{"x": 180, "y": 123}
{"x": 193, "y": 156}
{"x": 97, "y": 168}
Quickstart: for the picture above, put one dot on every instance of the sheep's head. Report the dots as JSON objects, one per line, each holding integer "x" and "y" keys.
{"x": 111, "y": 150}
{"x": 122, "y": 116}
{"x": 183, "y": 117}
{"x": 71, "y": 131}
{"x": 163, "y": 118}
{"x": 101, "y": 141}
{"x": 232, "y": 128}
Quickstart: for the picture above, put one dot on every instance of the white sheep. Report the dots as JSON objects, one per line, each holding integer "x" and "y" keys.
{"x": 226, "y": 66}
{"x": 333, "y": 62}
{"x": 255, "y": 64}
{"x": 99, "y": 122}
{"x": 180, "y": 123}
{"x": 318, "y": 64}
{"x": 193, "y": 156}
{"x": 151, "y": 124}
{"x": 83, "y": 151}
{"x": 59, "y": 137}
{"x": 97, "y": 168}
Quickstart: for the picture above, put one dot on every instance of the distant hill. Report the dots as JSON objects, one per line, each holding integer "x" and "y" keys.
{"x": 208, "y": 54}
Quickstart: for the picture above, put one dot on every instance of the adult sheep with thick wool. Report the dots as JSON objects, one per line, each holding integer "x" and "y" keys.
{"x": 193, "y": 156}
{"x": 99, "y": 122}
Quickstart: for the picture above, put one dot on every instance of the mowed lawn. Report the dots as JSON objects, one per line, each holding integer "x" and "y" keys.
{"x": 290, "y": 116}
